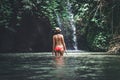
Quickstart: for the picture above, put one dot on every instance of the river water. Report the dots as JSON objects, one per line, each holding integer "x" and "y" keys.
{"x": 73, "y": 66}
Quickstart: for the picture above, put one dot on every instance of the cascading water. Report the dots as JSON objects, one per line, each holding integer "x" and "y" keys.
{"x": 68, "y": 28}
{"x": 71, "y": 20}
{"x": 58, "y": 20}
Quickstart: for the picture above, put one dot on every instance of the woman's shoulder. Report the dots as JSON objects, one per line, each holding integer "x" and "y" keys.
{"x": 60, "y": 35}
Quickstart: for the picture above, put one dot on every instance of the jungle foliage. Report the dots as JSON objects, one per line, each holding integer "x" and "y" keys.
{"x": 97, "y": 20}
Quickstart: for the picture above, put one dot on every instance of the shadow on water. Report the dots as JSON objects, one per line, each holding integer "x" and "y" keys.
{"x": 73, "y": 66}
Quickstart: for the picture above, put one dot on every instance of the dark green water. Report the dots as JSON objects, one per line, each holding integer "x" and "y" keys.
{"x": 74, "y": 66}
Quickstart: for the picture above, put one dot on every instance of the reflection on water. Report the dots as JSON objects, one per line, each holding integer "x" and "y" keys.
{"x": 44, "y": 66}
{"x": 59, "y": 65}
{"x": 59, "y": 62}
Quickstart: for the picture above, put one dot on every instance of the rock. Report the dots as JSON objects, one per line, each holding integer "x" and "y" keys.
{"x": 114, "y": 45}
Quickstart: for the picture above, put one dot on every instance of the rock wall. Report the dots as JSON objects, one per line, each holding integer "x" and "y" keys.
{"x": 34, "y": 35}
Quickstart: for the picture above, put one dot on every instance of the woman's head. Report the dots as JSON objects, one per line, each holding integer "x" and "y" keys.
{"x": 57, "y": 30}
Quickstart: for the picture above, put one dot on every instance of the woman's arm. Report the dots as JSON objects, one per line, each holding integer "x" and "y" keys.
{"x": 53, "y": 45}
{"x": 63, "y": 42}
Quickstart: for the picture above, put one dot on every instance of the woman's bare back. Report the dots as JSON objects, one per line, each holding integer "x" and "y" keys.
{"x": 58, "y": 39}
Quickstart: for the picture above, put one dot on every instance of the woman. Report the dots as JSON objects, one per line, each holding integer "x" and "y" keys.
{"x": 59, "y": 46}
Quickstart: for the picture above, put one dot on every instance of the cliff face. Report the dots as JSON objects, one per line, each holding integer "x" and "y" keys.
{"x": 115, "y": 45}
{"x": 34, "y": 35}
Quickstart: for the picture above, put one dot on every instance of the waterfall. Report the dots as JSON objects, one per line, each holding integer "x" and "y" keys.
{"x": 73, "y": 27}
{"x": 58, "y": 20}
{"x": 68, "y": 27}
